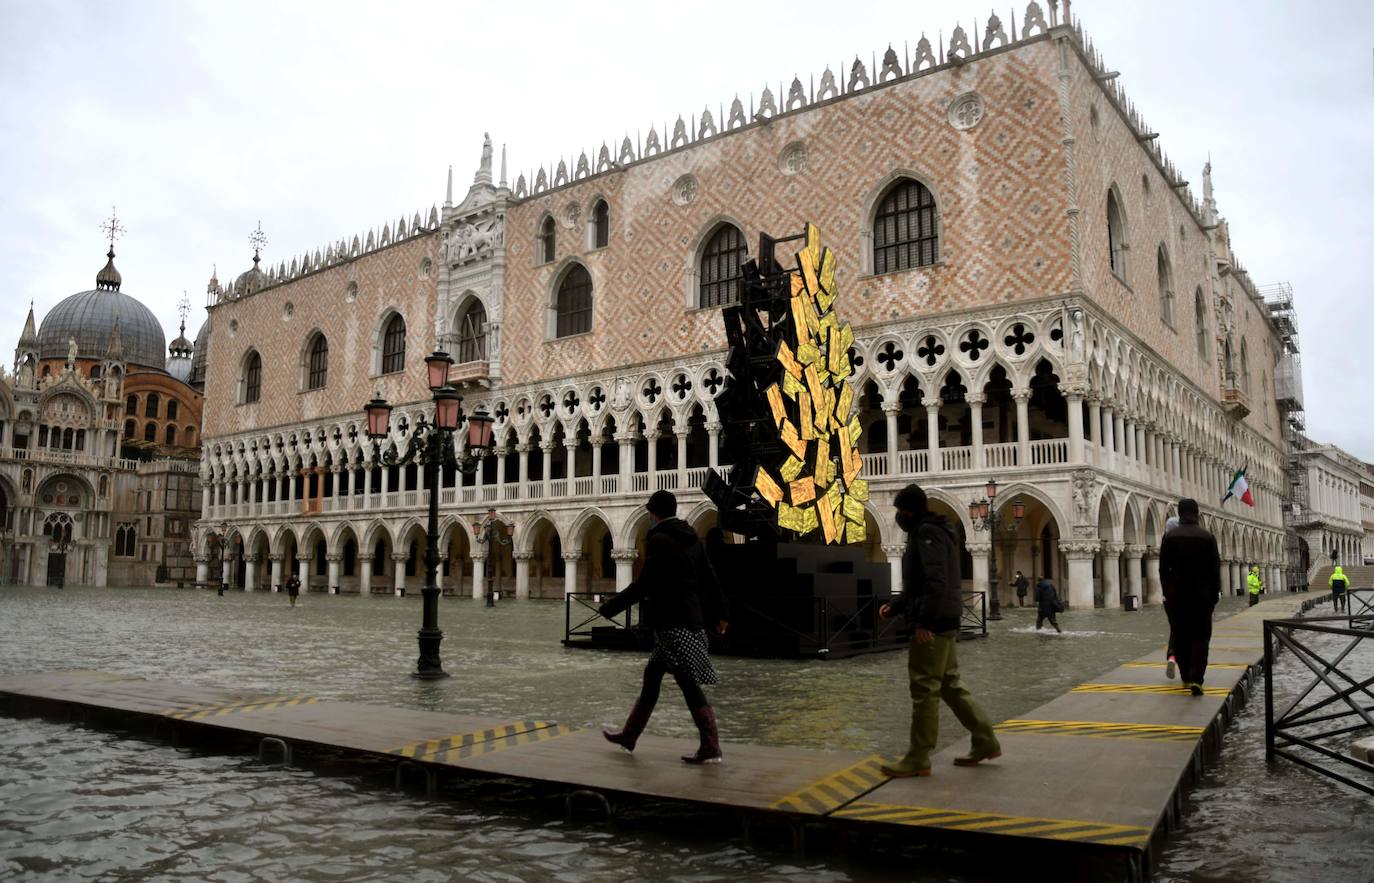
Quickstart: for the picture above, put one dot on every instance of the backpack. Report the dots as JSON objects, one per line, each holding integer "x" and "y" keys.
{"x": 1338, "y": 584}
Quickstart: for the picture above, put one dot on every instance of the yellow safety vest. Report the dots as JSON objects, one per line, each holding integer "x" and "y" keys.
{"x": 1254, "y": 582}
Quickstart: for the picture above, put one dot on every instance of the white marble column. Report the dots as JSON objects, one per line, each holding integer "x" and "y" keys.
{"x": 364, "y": 573}
{"x": 1154, "y": 589}
{"x": 524, "y": 478}
{"x": 1095, "y": 427}
{"x": 975, "y": 402}
{"x": 624, "y": 567}
{"x": 1133, "y": 555}
{"x": 250, "y": 573}
{"x": 570, "y": 560}
{"x": 333, "y": 559}
{"x": 479, "y": 576}
{"x": 933, "y": 438}
{"x": 1111, "y": 575}
{"x": 894, "y": 551}
{"x": 1022, "y": 398}
{"x": 522, "y": 574}
{"x": 398, "y": 567}
{"x": 1075, "y": 401}
{"x": 546, "y": 449}
{"x": 1080, "y": 589}
{"x": 890, "y": 410}
{"x": 276, "y": 561}
{"x": 981, "y": 572}
{"x": 202, "y": 571}
{"x": 713, "y": 444}
{"x": 651, "y": 437}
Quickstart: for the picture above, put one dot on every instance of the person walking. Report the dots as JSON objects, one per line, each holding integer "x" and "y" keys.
{"x": 293, "y": 588}
{"x": 932, "y": 601}
{"x": 1170, "y": 661}
{"x": 1022, "y": 586}
{"x": 682, "y": 594}
{"x": 1253, "y": 584}
{"x": 1047, "y": 604}
{"x": 1190, "y": 570}
{"x": 1338, "y": 583}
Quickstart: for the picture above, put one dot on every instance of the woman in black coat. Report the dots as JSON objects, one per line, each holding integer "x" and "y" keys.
{"x": 1047, "y": 604}
{"x": 679, "y": 594}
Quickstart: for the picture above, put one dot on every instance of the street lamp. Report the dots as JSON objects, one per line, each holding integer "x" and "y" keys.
{"x": 431, "y": 444}
{"x": 984, "y": 515}
{"x": 489, "y": 533}
{"x": 220, "y": 537}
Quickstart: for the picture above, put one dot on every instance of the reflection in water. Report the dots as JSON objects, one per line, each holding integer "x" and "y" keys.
{"x": 110, "y": 804}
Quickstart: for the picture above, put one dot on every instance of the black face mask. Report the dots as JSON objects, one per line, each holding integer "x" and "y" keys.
{"x": 906, "y": 521}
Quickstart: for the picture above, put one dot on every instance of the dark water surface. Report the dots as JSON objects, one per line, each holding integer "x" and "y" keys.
{"x": 79, "y": 803}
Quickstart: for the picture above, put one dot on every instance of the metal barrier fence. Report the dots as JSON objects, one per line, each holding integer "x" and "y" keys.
{"x": 1303, "y": 731}
{"x": 774, "y": 625}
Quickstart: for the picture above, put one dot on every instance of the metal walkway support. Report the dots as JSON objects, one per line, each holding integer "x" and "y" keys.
{"x": 1303, "y": 731}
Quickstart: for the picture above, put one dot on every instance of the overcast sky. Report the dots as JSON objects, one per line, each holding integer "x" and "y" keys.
{"x": 325, "y": 120}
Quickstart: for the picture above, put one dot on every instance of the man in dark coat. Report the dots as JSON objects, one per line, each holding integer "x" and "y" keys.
{"x": 1046, "y": 604}
{"x": 679, "y": 594}
{"x": 1190, "y": 571}
{"x": 932, "y": 600}
{"x": 1022, "y": 586}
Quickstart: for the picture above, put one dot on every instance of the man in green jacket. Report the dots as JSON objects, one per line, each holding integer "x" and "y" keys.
{"x": 1254, "y": 585}
{"x": 932, "y": 600}
{"x": 1338, "y": 583}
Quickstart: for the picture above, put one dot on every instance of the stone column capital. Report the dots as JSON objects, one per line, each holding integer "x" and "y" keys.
{"x": 275, "y": 557}
{"x": 1021, "y": 395}
{"x": 624, "y": 554}
{"x": 893, "y": 549}
{"x": 976, "y": 398}
{"x": 400, "y": 558}
{"x": 362, "y": 556}
{"x": 1078, "y": 549}
{"x": 1134, "y": 550}
{"x": 976, "y": 549}
{"x": 1112, "y": 550}
{"x": 523, "y": 556}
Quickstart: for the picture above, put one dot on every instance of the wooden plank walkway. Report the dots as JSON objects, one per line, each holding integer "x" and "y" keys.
{"x": 1100, "y": 767}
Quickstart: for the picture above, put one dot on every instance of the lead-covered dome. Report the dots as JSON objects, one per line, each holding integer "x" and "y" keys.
{"x": 90, "y": 316}
{"x": 200, "y": 352}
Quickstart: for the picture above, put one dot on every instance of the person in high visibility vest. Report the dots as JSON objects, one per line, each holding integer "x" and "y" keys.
{"x": 1338, "y": 583}
{"x": 1255, "y": 586}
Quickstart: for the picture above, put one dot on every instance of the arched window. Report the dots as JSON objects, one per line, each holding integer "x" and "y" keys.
{"x": 720, "y": 267}
{"x": 252, "y": 377}
{"x": 1200, "y": 315}
{"x": 131, "y": 406}
{"x": 394, "y": 345}
{"x": 904, "y": 230}
{"x": 472, "y": 332}
{"x": 1166, "y": 287}
{"x": 151, "y": 405}
{"x": 150, "y": 432}
{"x": 317, "y": 366}
{"x": 601, "y": 224}
{"x": 171, "y": 409}
{"x": 130, "y": 428}
{"x": 96, "y": 371}
{"x": 546, "y": 240}
{"x": 1244, "y": 366}
{"x": 573, "y": 306}
{"x": 1116, "y": 235}
{"x": 171, "y": 435}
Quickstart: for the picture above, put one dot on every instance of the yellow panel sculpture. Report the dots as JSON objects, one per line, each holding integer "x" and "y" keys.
{"x": 817, "y": 485}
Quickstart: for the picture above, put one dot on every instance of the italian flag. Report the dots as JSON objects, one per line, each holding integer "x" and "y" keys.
{"x": 1240, "y": 488}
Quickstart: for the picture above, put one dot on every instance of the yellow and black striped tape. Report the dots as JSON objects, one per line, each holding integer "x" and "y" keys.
{"x": 428, "y": 749}
{"x": 1162, "y": 665}
{"x": 836, "y": 789}
{"x": 1166, "y": 689}
{"x": 1103, "y": 730}
{"x": 1015, "y": 826}
{"x": 477, "y": 749}
{"x": 209, "y": 711}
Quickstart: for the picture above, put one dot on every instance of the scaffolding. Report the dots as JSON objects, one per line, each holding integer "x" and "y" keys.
{"x": 1283, "y": 316}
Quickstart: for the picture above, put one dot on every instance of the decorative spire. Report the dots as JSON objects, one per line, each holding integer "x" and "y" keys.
{"x": 258, "y": 240}
{"x": 29, "y": 339}
{"x": 502, "y": 182}
{"x": 108, "y": 278}
{"x": 448, "y": 193}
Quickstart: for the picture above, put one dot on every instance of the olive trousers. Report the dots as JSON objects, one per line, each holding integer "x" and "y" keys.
{"x": 933, "y": 668}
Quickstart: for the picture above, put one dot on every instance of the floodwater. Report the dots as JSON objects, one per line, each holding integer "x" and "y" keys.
{"x": 96, "y": 804}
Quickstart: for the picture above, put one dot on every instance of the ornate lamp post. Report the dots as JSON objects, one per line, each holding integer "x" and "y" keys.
{"x": 431, "y": 443}
{"x": 488, "y": 532}
{"x": 984, "y": 515}
{"x": 216, "y": 542}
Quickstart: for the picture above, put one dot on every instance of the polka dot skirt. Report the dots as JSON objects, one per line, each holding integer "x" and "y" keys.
{"x": 686, "y": 651}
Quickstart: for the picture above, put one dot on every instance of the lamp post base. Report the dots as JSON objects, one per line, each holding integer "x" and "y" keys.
{"x": 429, "y": 667}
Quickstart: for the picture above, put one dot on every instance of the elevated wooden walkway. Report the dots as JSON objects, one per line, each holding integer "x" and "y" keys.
{"x": 1100, "y": 769}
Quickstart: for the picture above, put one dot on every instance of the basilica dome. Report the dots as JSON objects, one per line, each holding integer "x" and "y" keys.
{"x": 89, "y": 317}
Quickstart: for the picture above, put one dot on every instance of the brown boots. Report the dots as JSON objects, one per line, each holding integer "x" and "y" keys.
{"x": 709, "y": 751}
{"x": 634, "y": 725}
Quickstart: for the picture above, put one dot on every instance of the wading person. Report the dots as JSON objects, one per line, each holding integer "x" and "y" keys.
{"x": 681, "y": 594}
{"x": 932, "y": 600}
{"x": 1338, "y": 583}
{"x": 1047, "y": 604}
{"x": 1189, "y": 568}
{"x": 1254, "y": 585}
{"x": 293, "y": 588}
{"x": 1022, "y": 586}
